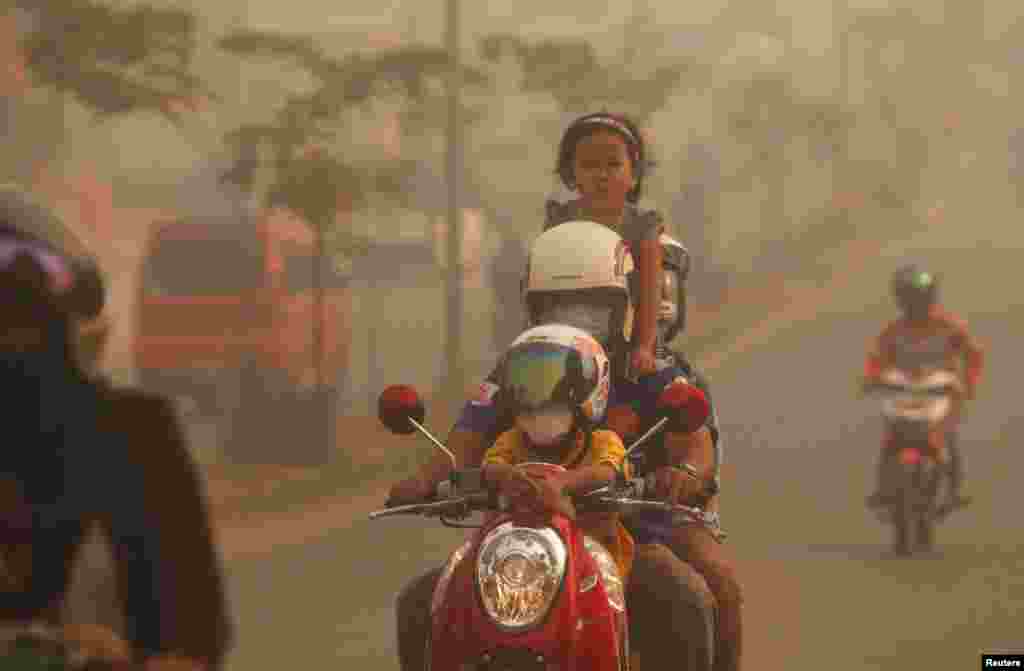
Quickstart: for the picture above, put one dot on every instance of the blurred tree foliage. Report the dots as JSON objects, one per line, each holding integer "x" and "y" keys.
{"x": 305, "y": 175}
{"x": 570, "y": 70}
{"x": 113, "y": 60}
{"x": 908, "y": 71}
{"x": 305, "y": 179}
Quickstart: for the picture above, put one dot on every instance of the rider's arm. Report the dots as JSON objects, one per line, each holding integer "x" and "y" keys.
{"x": 649, "y": 272}
{"x": 698, "y": 379}
{"x": 973, "y": 353}
{"x": 876, "y": 360}
{"x": 467, "y": 446}
{"x": 975, "y": 363}
{"x": 696, "y": 449}
{"x": 642, "y": 230}
{"x": 499, "y": 460}
{"x": 605, "y": 458}
{"x": 467, "y": 439}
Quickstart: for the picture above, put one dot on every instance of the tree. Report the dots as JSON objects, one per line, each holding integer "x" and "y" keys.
{"x": 114, "y": 60}
{"x": 570, "y": 70}
{"x": 304, "y": 169}
{"x": 306, "y": 172}
{"x": 767, "y": 115}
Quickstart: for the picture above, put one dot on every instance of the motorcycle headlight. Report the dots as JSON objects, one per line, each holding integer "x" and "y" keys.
{"x": 609, "y": 572}
{"x": 519, "y": 571}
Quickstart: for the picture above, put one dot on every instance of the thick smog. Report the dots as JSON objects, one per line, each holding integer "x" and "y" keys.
{"x": 451, "y": 335}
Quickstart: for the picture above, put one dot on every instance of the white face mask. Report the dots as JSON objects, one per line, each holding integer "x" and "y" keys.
{"x": 594, "y": 319}
{"x": 546, "y": 428}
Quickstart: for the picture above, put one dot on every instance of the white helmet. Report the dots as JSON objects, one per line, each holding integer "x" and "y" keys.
{"x": 580, "y": 256}
{"x": 675, "y": 269}
{"x": 556, "y": 364}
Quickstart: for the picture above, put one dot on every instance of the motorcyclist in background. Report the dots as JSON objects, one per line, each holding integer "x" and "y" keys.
{"x": 578, "y": 276}
{"x": 94, "y": 456}
{"x": 926, "y": 336}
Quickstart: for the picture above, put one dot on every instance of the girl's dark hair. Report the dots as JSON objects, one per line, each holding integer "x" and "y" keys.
{"x": 588, "y": 124}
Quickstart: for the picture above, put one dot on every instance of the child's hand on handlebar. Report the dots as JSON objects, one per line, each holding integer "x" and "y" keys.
{"x": 552, "y": 497}
{"x": 542, "y": 495}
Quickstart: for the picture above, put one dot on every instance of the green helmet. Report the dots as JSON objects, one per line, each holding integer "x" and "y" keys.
{"x": 914, "y": 289}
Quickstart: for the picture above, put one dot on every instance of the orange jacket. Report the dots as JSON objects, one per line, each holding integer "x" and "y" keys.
{"x": 942, "y": 341}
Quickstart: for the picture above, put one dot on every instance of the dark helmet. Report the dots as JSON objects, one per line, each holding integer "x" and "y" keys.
{"x": 24, "y": 218}
{"x": 914, "y": 289}
{"x": 32, "y": 234}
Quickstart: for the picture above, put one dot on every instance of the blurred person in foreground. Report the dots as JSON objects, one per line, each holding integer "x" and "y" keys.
{"x": 926, "y": 336}
{"x": 95, "y": 455}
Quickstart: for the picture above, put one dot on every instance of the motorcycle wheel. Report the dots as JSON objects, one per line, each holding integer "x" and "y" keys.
{"x": 931, "y": 474}
{"x": 904, "y": 510}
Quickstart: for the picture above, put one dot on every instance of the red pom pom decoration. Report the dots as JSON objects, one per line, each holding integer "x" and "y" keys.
{"x": 685, "y": 405}
{"x": 396, "y": 405}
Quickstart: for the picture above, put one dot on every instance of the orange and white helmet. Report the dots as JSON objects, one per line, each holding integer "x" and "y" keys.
{"x": 556, "y": 365}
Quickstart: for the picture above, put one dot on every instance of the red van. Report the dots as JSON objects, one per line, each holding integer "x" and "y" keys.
{"x": 227, "y": 321}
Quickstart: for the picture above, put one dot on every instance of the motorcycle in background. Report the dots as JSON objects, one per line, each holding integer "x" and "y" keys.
{"x": 914, "y": 406}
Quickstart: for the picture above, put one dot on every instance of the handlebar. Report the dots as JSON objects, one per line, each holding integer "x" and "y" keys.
{"x": 626, "y": 498}
{"x": 453, "y": 506}
{"x": 927, "y": 392}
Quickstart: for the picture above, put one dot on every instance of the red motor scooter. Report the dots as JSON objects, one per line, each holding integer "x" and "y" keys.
{"x": 526, "y": 592}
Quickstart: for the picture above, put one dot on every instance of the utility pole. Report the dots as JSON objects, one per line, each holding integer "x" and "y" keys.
{"x": 453, "y": 345}
{"x": 840, "y": 31}
{"x": 324, "y": 411}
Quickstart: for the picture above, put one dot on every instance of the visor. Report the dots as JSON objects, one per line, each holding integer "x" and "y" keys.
{"x": 538, "y": 376}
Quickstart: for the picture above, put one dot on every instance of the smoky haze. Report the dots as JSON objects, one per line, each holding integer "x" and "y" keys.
{"x": 782, "y": 132}
{"x": 746, "y": 140}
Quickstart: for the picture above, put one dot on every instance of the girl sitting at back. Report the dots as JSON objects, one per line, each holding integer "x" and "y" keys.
{"x": 602, "y": 157}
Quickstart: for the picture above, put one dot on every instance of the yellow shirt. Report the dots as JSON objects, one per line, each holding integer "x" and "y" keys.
{"x": 606, "y": 449}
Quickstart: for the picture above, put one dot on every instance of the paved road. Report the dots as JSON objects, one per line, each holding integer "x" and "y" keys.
{"x": 822, "y": 591}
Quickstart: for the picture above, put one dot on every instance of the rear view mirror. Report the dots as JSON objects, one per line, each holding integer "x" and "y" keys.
{"x": 685, "y": 406}
{"x": 398, "y": 404}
